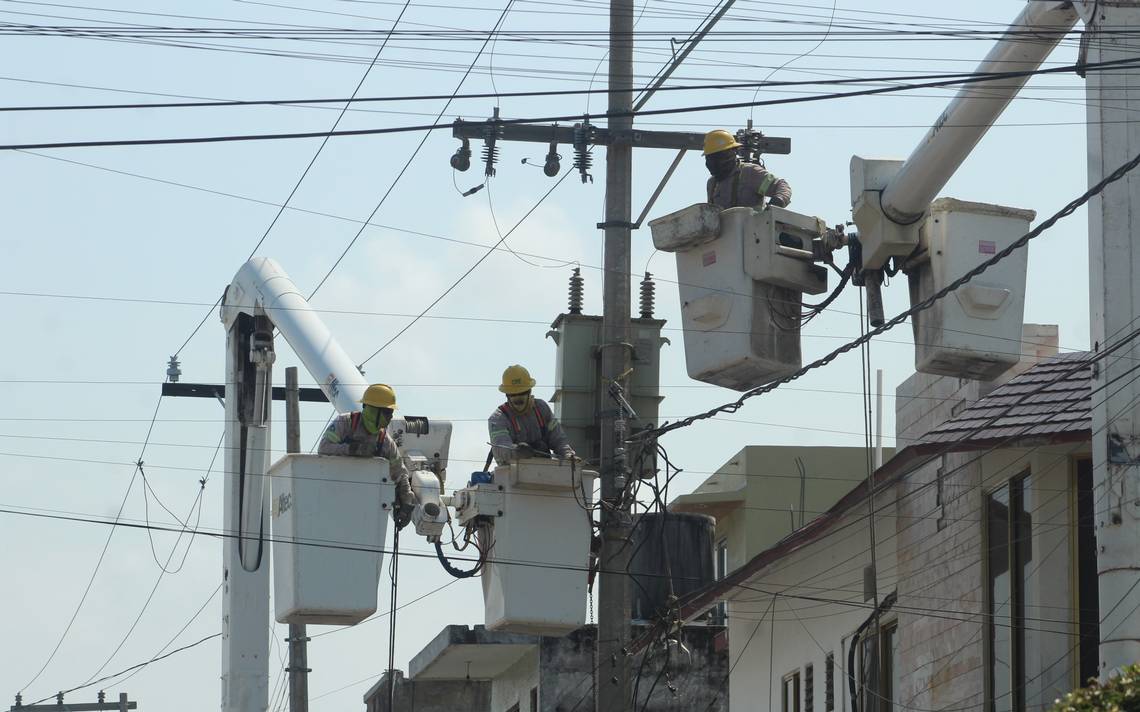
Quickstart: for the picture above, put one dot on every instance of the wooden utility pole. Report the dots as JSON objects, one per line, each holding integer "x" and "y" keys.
{"x": 298, "y": 637}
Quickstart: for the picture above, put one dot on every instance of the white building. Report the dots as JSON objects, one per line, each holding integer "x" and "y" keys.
{"x": 984, "y": 553}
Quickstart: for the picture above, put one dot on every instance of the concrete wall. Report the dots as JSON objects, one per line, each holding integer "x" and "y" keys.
{"x": 429, "y": 695}
{"x": 514, "y": 686}
{"x": 942, "y": 566}
{"x": 774, "y": 488}
{"x": 567, "y": 677}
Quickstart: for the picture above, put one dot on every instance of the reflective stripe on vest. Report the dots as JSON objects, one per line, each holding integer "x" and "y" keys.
{"x": 767, "y": 183}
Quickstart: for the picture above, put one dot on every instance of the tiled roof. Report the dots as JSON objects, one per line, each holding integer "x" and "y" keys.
{"x": 1052, "y": 398}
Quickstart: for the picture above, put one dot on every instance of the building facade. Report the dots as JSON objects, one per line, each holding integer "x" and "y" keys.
{"x": 980, "y": 566}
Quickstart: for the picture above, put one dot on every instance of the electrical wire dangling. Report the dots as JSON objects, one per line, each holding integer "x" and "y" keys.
{"x": 492, "y": 132}
{"x": 583, "y": 159}
{"x": 483, "y": 549}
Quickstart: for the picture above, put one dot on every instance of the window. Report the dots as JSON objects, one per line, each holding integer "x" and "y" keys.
{"x": 880, "y": 684}
{"x": 809, "y": 684}
{"x": 1088, "y": 588}
{"x": 829, "y": 683}
{"x": 1009, "y": 551}
{"x": 720, "y": 613}
{"x": 790, "y": 697}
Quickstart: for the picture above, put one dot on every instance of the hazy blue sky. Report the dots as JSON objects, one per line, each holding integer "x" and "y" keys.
{"x": 169, "y": 226}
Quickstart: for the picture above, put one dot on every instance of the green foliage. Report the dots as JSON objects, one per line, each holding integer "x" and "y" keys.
{"x": 1119, "y": 694}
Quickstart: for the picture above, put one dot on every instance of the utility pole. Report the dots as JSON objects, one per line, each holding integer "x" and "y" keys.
{"x": 613, "y": 692}
{"x": 613, "y": 689}
{"x": 298, "y": 636}
{"x": 1114, "y": 262}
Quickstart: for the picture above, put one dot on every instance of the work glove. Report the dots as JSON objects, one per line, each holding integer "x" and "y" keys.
{"x": 523, "y": 451}
{"x": 401, "y": 516}
{"x": 778, "y": 202}
{"x": 404, "y": 495}
{"x": 356, "y": 448}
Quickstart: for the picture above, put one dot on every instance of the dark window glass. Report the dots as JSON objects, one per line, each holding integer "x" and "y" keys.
{"x": 1088, "y": 590}
{"x": 809, "y": 688}
{"x": 1009, "y": 529}
{"x": 829, "y": 683}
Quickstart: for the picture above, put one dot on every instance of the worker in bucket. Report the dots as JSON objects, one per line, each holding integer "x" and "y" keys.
{"x": 736, "y": 184}
{"x": 364, "y": 433}
{"x": 525, "y": 426}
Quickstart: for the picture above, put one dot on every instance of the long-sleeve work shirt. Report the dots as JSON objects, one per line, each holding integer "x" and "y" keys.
{"x": 537, "y": 428}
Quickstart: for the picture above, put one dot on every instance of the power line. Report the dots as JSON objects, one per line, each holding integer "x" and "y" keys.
{"x": 102, "y": 554}
{"x": 1115, "y": 64}
{"x": 408, "y": 163}
{"x": 136, "y": 666}
{"x": 471, "y": 269}
{"x": 305, "y": 172}
{"x": 231, "y": 103}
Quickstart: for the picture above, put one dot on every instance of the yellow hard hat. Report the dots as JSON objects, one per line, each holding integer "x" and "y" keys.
{"x": 379, "y": 395}
{"x": 516, "y": 379}
{"x": 719, "y": 140}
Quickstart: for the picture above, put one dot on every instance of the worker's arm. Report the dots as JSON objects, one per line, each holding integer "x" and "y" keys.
{"x": 777, "y": 190}
{"x": 555, "y": 435}
{"x": 336, "y": 439}
{"x": 499, "y": 434}
{"x": 398, "y": 473}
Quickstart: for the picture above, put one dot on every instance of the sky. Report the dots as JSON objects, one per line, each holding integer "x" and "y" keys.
{"x": 110, "y": 257}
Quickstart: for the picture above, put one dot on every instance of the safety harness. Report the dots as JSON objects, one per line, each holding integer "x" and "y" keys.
{"x": 506, "y": 410}
{"x": 355, "y": 422}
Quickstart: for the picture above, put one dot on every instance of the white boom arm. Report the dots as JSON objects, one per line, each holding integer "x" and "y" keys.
{"x": 261, "y": 298}
{"x": 975, "y": 108}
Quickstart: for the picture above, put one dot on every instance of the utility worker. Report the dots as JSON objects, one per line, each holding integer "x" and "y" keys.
{"x": 364, "y": 433}
{"x": 736, "y": 184}
{"x": 525, "y": 426}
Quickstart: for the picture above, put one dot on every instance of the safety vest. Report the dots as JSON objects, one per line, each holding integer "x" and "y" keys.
{"x": 508, "y": 411}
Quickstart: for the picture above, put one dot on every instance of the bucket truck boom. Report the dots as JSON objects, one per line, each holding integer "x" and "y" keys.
{"x": 890, "y": 199}
{"x": 261, "y": 300}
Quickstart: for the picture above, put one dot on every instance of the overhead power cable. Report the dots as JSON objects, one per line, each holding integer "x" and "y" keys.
{"x": 471, "y": 269}
{"x": 308, "y": 167}
{"x": 102, "y": 554}
{"x": 229, "y": 103}
{"x": 903, "y": 316}
{"x": 408, "y": 163}
{"x": 134, "y": 667}
{"x": 1128, "y": 63}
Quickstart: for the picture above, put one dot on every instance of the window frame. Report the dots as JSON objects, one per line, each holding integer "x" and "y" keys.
{"x": 790, "y": 703}
{"x": 883, "y": 678}
{"x": 720, "y": 571}
{"x": 1015, "y": 489}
